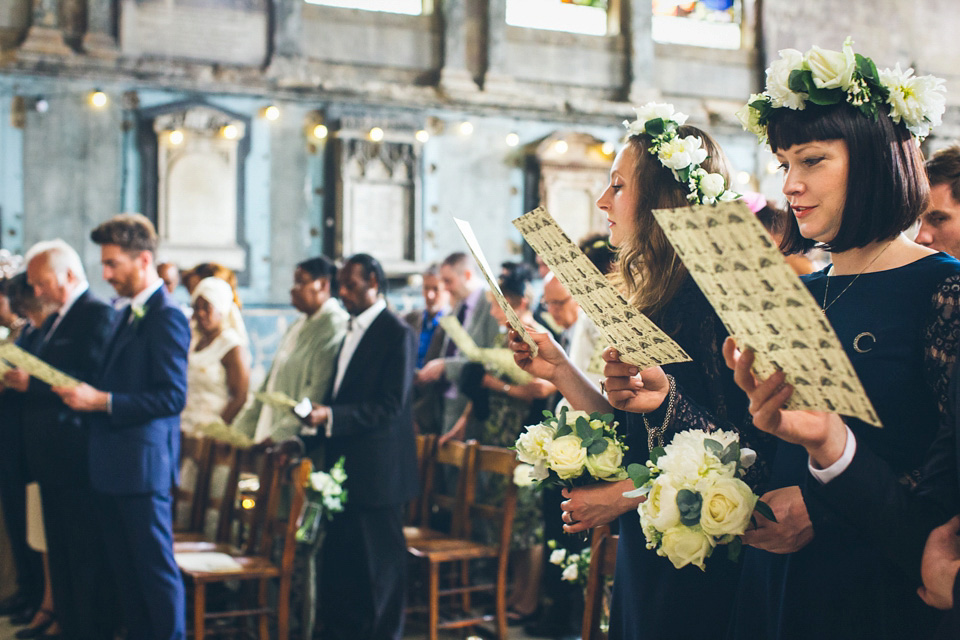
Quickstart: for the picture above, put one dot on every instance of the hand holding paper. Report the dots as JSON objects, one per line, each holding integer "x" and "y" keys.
{"x": 467, "y": 232}
{"x": 35, "y": 366}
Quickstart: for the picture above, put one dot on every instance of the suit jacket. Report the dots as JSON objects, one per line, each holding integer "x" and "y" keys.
{"x": 135, "y": 448}
{"x": 306, "y": 373}
{"x": 11, "y": 417}
{"x": 55, "y": 439}
{"x": 372, "y": 422}
{"x": 481, "y": 326}
{"x": 428, "y": 398}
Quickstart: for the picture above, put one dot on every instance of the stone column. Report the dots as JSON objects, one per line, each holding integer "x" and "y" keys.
{"x": 638, "y": 20}
{"x": 100, "y": 40}
{"x": 464, "y": 58}
{"x": 45, "y": 36}
{"x": 14, "y": 22}
{"x": 498, "y": 68}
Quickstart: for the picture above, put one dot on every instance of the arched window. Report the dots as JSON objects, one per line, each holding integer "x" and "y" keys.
{"x": 701, "y": 23}
{"x": 408, "y": 7}
{"x": 575, "y": 16}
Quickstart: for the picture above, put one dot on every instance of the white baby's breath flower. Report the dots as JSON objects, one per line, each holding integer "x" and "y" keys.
{"x": 778, "y": 80}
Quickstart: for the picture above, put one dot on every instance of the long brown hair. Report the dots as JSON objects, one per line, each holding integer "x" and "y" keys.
{"x": 648, "y": 271}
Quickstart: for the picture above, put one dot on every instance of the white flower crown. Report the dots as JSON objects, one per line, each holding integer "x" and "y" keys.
{"x": 683, "y": 156}
{"x": 831, "y": 77}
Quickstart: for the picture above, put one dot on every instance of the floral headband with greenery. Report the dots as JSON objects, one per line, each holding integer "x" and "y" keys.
{"x": 827, "y": 77}
{"x": 683, "y": 156}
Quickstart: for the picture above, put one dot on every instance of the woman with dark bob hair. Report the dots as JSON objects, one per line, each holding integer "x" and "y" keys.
{"x": 854, "y": 503}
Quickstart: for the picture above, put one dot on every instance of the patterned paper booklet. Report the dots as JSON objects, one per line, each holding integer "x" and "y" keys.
{"x": 632, "y": 334}
{"x": 765, "y": 306}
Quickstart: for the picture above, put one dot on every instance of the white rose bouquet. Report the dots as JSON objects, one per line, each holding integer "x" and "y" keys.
{"x": 326, "y": 496}
{"x": 572, "y": 448}
{"x": 575, "y": 566}
{"x": 695, "y": 498}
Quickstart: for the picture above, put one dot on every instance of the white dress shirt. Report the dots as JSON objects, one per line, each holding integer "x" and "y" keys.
{"x": 824, "y": 476}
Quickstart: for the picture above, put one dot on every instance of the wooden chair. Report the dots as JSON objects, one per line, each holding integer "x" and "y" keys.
{"x": 493, "y": 462}
{"x": 426, "y": 445}
{"x": 603, "y": 560}
{"x": 218, "y": 495}
{"x": 194, "y": 458}
{"x": 254, "y": 563}
{"x": 439, "y": 499}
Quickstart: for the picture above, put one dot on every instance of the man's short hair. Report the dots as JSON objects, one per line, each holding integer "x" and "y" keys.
{"x": 433, "y": 269}
{"x": 457, "y": 260}
{"x": 371, "y": 267}
{"x": 61, "y": 257}
{"x": 944, "y": 168}
{"x": 321, "y": 267}
{"x": 132, "y": 232}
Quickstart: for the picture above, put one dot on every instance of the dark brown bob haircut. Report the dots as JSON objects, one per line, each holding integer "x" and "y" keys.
{"x": 131, "y": 232}
{"x": 887, "y": 186}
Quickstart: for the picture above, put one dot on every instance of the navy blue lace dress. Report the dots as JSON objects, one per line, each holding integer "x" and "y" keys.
{"x": 858, "y": 577}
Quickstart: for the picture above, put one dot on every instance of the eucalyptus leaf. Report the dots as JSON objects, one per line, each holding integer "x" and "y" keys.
{"x": 764, "y": 509}
{"x": 639, "y": 473}
{"x": 597, "y": 447}
{"x": 564, "y": 430}
{"x": 607, "y": 418}
{"x": 798, "y": 80}
{"x": 584, "y": 432}
{"x": 689, "y": 502}
{"x": 733, "y": 549}
{"x": 731, "y": 453}
{"x": 712, "y": 446}
{"x": 655, "y": 454}
{"x": 547, "y": 413}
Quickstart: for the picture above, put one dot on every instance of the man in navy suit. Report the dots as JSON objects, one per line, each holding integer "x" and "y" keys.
{"x": 368, "y": 420}
{"x": 135, "y": 431}
{"x": 73, "y": 339}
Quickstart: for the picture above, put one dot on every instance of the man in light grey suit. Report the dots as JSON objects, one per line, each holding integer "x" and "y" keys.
{"x": 472, "y": 309}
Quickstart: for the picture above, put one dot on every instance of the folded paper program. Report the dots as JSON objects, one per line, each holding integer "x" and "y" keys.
{"x": 36, "y": 367}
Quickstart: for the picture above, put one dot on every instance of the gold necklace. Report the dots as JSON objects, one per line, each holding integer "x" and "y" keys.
{"x": 826, "y": 286}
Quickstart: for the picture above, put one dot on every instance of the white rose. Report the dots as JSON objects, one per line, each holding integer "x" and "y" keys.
{"x": 918, "y": 101}
{"x": 570, "y": 573}
{"x": 680, "y": 153}
{"x": 532, "y": 444}
{"x": 832, "y": 69}
{"x": 684, "y": 545}
{"x": 338, "y": 474}
{"x": 557, "y": 556}
{"x": 747, "y": 457}
{"x": 750, "y": 118}
{"x": 566, "y": 456}
{"x": 320, "y": 481}
{"x": 606, "y": 465}
{"x": 727, "y": 506}
{"x": 778, "y": 80}
{"x": 660, "y": 508}
{"x": 523, "y": 475}
{"x": 572, "y": 417}
{"x": 654, "y": 110}
{"x": 712, "y": 185}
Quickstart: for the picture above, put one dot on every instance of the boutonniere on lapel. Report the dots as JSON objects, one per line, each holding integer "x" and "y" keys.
{"x": 137, "y": 311}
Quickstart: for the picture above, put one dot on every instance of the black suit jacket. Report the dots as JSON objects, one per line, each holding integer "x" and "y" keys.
{"x": 372, "y": 422}
{"x": 55, "y": 439}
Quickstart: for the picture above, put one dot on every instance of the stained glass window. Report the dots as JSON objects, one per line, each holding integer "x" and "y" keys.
{"x": 702, "y": 23}
{"x": 408, "y": 7}
{"x": 575, "y": 16}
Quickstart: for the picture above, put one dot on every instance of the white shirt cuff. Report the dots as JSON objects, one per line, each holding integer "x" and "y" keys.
{"x": 329, "y": 425}
{"x": 824, "y": 476}
{"x": 110, "y": 403}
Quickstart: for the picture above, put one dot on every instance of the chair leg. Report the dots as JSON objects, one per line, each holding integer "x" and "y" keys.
{"x": 264, "y": 618}
{"x": 501, "y": 604}
{"x": 465, "y": 582}
{"x": 283, "y": 609}
{"x": 434, "y": 592}
{"x": 199, "y": 609}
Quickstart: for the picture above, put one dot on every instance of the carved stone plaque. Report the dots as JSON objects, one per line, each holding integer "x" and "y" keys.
{"x": 572, "y": 180}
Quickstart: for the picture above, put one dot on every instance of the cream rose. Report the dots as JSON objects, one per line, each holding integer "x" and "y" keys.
{"x": 532, "y": 444}
{"x": 712, "y": 185}
{"x": 832, "y": 69}
{"x": 570, "y": 573}
{"x": 727, "y": 506}
{"x": 778, "y": 80}
{"x": 573, "y": 416}
{"x": 660, "y": 508}
{"x": 606, "y": 465}
{"x": 684, "y": 545}
{"x": 523, "y": 475}
{"x": 566, "y": 456}
{"x": 750, "y": 119}
{"x": 557, "y": 556}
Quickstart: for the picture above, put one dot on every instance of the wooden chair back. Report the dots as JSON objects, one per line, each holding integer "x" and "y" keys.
{"x": 603, "y": 560}
{"x": 194, "y": 458}
{"x": 219, "y": 491}
{"x": 448, "y": 478}
{"x": 426, "y": 445}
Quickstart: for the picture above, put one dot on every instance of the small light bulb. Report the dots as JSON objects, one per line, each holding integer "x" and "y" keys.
{"x": 466, "y": 128}
{"x": 376, "y": 134}
{"x": 320, "y": 131}
{"x": 271, "y": 113}
{"x": 98, "y": 99}
{"x": 176, "y": 137}
{"x": 561, "y": 146}
{"x": 512, "y": 139}
{"x": 609, "y": 147}
{"x": 230, "y": 132}
{"x": 248, "y": 503}
{"x": 743, "y": 177}
{"x": 773, "y": 166}
{"x": 422, "y": 136}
